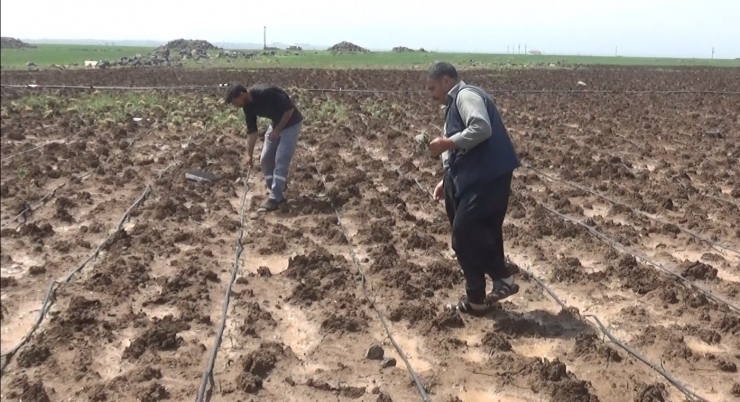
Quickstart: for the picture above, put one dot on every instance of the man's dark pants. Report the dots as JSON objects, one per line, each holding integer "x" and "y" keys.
{"x": 477, "y": 220}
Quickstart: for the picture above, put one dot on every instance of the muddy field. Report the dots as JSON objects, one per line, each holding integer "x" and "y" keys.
{"x": 608, "y": 176}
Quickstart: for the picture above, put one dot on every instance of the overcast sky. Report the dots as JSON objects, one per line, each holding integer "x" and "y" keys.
{"x": 679, "y": 28}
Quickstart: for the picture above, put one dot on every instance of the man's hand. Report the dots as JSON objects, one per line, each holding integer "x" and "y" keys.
{"x": 439, "y": 190}
{"x": 439, "y": 145}
{"x": 274, "y": 134}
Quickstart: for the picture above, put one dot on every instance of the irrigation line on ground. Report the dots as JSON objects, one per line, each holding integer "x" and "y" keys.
{"x": 356, "y": 263}
{"x": 366, "y": 91}
{"x": 55, "y": 284}
{"x": 637, "y": 211}
{"x": 601, "y": 328}
{"x": 722, "y": 199}
{"x": 33, "y": 207}
{"x": 239, "y": 247}
{"x": 618, "y": 246}
{"x": 668, "y": 376}
{"x": 43, "y": 145}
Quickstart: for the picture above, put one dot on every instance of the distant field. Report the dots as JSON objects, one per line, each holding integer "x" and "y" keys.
{"x": 46, "y": 55}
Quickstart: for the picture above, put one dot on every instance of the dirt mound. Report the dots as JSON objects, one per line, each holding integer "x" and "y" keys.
{"x": 7, "y": 42}
{"x": 347, "y": 47}
{"x": 186, "y": 47}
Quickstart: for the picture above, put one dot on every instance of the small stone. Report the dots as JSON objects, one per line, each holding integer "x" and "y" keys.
{"x": 428, "y": 292}
{"x": 384, "y": 397}
{"x": 375, "y": 390}
{"x": 264, "y": 272}
{"x": 36, "y": 270}
{"x": 388, "y": 362}
{"x": 290, "y": 381}
{"x": 375, "y": 352}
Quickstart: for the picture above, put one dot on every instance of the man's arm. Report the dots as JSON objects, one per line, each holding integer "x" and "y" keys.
{"x": 284, "y": 120}
{"x": 473, "y": 111}
{"x": 251, "y": 119}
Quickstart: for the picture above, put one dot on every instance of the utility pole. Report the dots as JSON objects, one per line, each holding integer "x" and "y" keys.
{"x": 615, "y": 50}
{"x": 525, "y": 48}
{"x": 507, "y": 50}
{"x": 264, "y": 38}
{"x": 712, "y": 53}
{"x": 519, "y": 49}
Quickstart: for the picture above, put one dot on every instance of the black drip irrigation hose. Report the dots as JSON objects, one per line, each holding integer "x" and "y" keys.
{"x": 35, "y": 205}
{"x": 618, "y": 246}
{"x": 616, "y": 202}
{"x": 63, "y": 139}
{"x": 601, "y": 328}
{"x": 356, "y": 263}
{"x": 367, "y": 91}
{"x": 55, "y": 284}
{"x": 239, "y": 248}
{"x": 668, "y": 376}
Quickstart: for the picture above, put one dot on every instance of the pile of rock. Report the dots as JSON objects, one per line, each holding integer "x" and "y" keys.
{"x": 185, "y": 48}
{"x": 347, "y": 47}
{"x": 404, "y": 49}
{"x": 7, "y": 42}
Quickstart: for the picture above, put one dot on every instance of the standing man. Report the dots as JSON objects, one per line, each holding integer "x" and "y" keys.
{"x": 479, "y": 160}
{"x": 281, "y": 137}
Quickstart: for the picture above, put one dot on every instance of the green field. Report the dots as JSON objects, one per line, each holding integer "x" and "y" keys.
{"x": 46, "y": 55}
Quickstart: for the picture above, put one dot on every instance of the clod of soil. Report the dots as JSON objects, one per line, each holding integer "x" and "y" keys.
{"x": 698, "y": 271}
{"x": 375, "y": 352}
{"x": 588, "y": 346}
{"x": 161, "y": 336}
{"x": 33, "y": 356}
{"x": 650, "y": 393}
{"x": 257, "y": 365}
{"x": 496, "y": 341}
{"x": 735, "y": 390}
{"x": 383, "y": 397}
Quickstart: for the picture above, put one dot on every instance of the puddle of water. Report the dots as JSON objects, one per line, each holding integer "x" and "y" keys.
{"x": 701, "y": 347}
{"x": 474, "y": 354}
{"x": 108, "y": 361}
{"x": 276, "y": 263}
{"x": 545, "y": 348}
{"x": 491, "y": 396}
{"x": 160, "y": 311}
{"x": 411, "y": 346}
{"x": 296, "y": 330}
{"x": 16, "y": 327}
{"x": 20, "y": 265}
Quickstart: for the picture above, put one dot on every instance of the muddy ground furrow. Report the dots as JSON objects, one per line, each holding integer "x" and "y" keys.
{"x": 138, "y": 323}
{"x": 563, "y": 336}
{"x": 58, "y": 236}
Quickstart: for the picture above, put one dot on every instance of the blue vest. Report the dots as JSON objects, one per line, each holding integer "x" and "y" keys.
{"x": 487, "y": 161}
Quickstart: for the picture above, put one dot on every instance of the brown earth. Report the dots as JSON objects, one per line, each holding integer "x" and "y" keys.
{"x": 137, "y": 322}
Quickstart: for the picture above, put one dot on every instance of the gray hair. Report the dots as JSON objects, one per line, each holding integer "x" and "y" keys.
{"x": 443, "y": 69}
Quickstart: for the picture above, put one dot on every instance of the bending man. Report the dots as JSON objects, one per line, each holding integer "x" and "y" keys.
{"x": 479, "y": 161}
{"x": 281, "y": 137}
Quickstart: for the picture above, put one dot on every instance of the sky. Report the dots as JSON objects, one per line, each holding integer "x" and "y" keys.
{"x": 661, "y": 28}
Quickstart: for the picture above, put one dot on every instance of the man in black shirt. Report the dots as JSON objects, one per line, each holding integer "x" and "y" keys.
{"x": 281, "y": 138}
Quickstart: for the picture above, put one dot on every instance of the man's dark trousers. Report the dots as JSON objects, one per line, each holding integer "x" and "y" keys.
{"x": 477, "y": 219}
